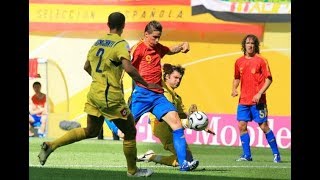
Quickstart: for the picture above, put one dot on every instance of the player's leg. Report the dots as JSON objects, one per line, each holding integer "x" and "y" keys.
{"x": 94, "y": 125}
{"x": 165, "y": 110}
{"x": 261, "y": 117}
{"x": 129, "y": 146}
{"x": 163, "y": 131}
{"x": 43, "y": 125}
{"x": 243, "y": 116}
{"x": 31, "y": 121}
{"x": 179, "y": 141}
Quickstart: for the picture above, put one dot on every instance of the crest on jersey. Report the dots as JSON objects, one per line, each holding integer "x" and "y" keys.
{"x": 148, "y": 59}
{"x": 123, "y": 112}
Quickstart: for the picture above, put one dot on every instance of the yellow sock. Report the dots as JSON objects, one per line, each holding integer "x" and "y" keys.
{"x": 71, "y": 136}
{"x": 130, "y": 151}
{"x": 166, "y": 160}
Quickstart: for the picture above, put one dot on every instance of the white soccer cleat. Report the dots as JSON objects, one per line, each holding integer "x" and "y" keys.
{"x": 141, "y": 173}
{"x": 146, "y": 156}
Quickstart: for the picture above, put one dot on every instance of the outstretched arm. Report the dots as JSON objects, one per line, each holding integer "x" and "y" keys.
{"x": 183, "y": 47}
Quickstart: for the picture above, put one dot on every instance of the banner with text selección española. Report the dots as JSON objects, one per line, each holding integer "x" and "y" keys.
{"x": 189, "y": 15}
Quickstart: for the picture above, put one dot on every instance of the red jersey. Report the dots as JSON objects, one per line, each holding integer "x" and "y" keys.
{"x": 39, "y": 102}
{"x": 147, "y": 61}
{"x": 252, "y": 74}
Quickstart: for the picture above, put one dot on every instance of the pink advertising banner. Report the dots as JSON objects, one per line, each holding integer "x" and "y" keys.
{"x": 227, "y": 133}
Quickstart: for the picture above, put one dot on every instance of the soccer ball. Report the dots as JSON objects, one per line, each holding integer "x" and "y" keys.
{"x": 198, "y": 121}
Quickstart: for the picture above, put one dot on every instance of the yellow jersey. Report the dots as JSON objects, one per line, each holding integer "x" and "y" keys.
{"x": 106, "y": 89}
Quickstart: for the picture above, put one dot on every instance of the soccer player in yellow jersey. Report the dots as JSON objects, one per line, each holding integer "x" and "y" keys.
{"x": 106, "y": 60}
{"x": 172, "y": 76}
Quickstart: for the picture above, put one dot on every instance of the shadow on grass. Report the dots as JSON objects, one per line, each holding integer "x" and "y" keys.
{"x": 40, "y": 173}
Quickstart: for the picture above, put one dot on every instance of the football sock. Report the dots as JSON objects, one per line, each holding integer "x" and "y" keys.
{"x": 130, "y": 152}
{"x": 272, "y": 142}
{"x": 180, "y": 145}
{"x": 245, "y": 141}
{"x": 166, "y": 160}
{"x": 71, "y": 136}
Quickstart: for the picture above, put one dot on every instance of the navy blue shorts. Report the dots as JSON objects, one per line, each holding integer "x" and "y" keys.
{"x": 143, "y": 100}
{"x": 37, "y": 120}
{"x": 258, "y": 113}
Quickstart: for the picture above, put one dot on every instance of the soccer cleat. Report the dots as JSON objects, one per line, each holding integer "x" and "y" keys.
{"x": 141, "y": 173}
{"x": 189, "y": 166}
{"x": 194, "y": 164}
{"x": 276, "y": 158}
{"x": 44, "y": 153}
{"x": 244, "y": 158}
{"x": 146, "y": 156}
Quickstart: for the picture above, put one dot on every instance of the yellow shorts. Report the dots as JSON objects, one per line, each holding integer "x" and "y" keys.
{"x": 98, "y": 107}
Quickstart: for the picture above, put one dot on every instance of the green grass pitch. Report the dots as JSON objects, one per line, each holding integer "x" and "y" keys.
{"x": 94, "y": 159}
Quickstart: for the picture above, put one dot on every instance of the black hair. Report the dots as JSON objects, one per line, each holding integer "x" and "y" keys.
{"x": 36, "y": 83}
{"x": 116, "y": 20}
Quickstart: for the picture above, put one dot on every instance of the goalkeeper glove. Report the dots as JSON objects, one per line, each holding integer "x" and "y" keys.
{"x": 185, "y": 123}
{"x": 193, "y": 108}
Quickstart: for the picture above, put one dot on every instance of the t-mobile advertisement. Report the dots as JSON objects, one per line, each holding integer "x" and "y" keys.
{"x": 227, "y": 133}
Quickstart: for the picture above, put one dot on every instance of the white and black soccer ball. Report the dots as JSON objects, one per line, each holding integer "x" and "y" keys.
{"x": 198, "y": 121}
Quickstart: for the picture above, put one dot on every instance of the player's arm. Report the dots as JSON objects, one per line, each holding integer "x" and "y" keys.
{"x": 264, "y": 88}
{"x": 134, "y": 74}
{"x": 87, "y": 67}
{"x": 236, "y": 80}
{"x": 235, "y": 85}
{"x": 183, "y": 47}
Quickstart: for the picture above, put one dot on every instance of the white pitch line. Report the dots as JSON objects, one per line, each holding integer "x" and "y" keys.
{"x": 46, "y": 44}
{"x": 229, "y": 54}
{"x": 166, "y": 167}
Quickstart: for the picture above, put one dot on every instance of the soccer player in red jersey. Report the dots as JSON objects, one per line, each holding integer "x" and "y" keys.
{"x": 253, "y": 73}
{"x": 146, "y": 57}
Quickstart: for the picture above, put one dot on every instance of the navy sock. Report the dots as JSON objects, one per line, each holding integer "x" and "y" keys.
{"x": 180, "y": 145}
{"x": 272, "y": 142}
{"x": 245, "y": 141}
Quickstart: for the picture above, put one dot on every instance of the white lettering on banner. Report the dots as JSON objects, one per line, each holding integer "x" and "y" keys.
{"x": 233, "y": 136}
{"x": 227, "y": 132}
{"x": 279, "y": 137}
{"x": 144, "y": 127}
{"x": 214, "y": 125}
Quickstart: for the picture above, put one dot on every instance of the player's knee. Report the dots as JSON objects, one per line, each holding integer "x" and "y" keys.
{"x": 172, "y": 118}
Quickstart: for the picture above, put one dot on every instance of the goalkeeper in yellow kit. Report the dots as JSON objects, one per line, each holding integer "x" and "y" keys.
{"x": 172, "y": 76}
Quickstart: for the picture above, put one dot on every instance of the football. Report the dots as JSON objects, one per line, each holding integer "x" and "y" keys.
{"x": 198, "y": 121}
